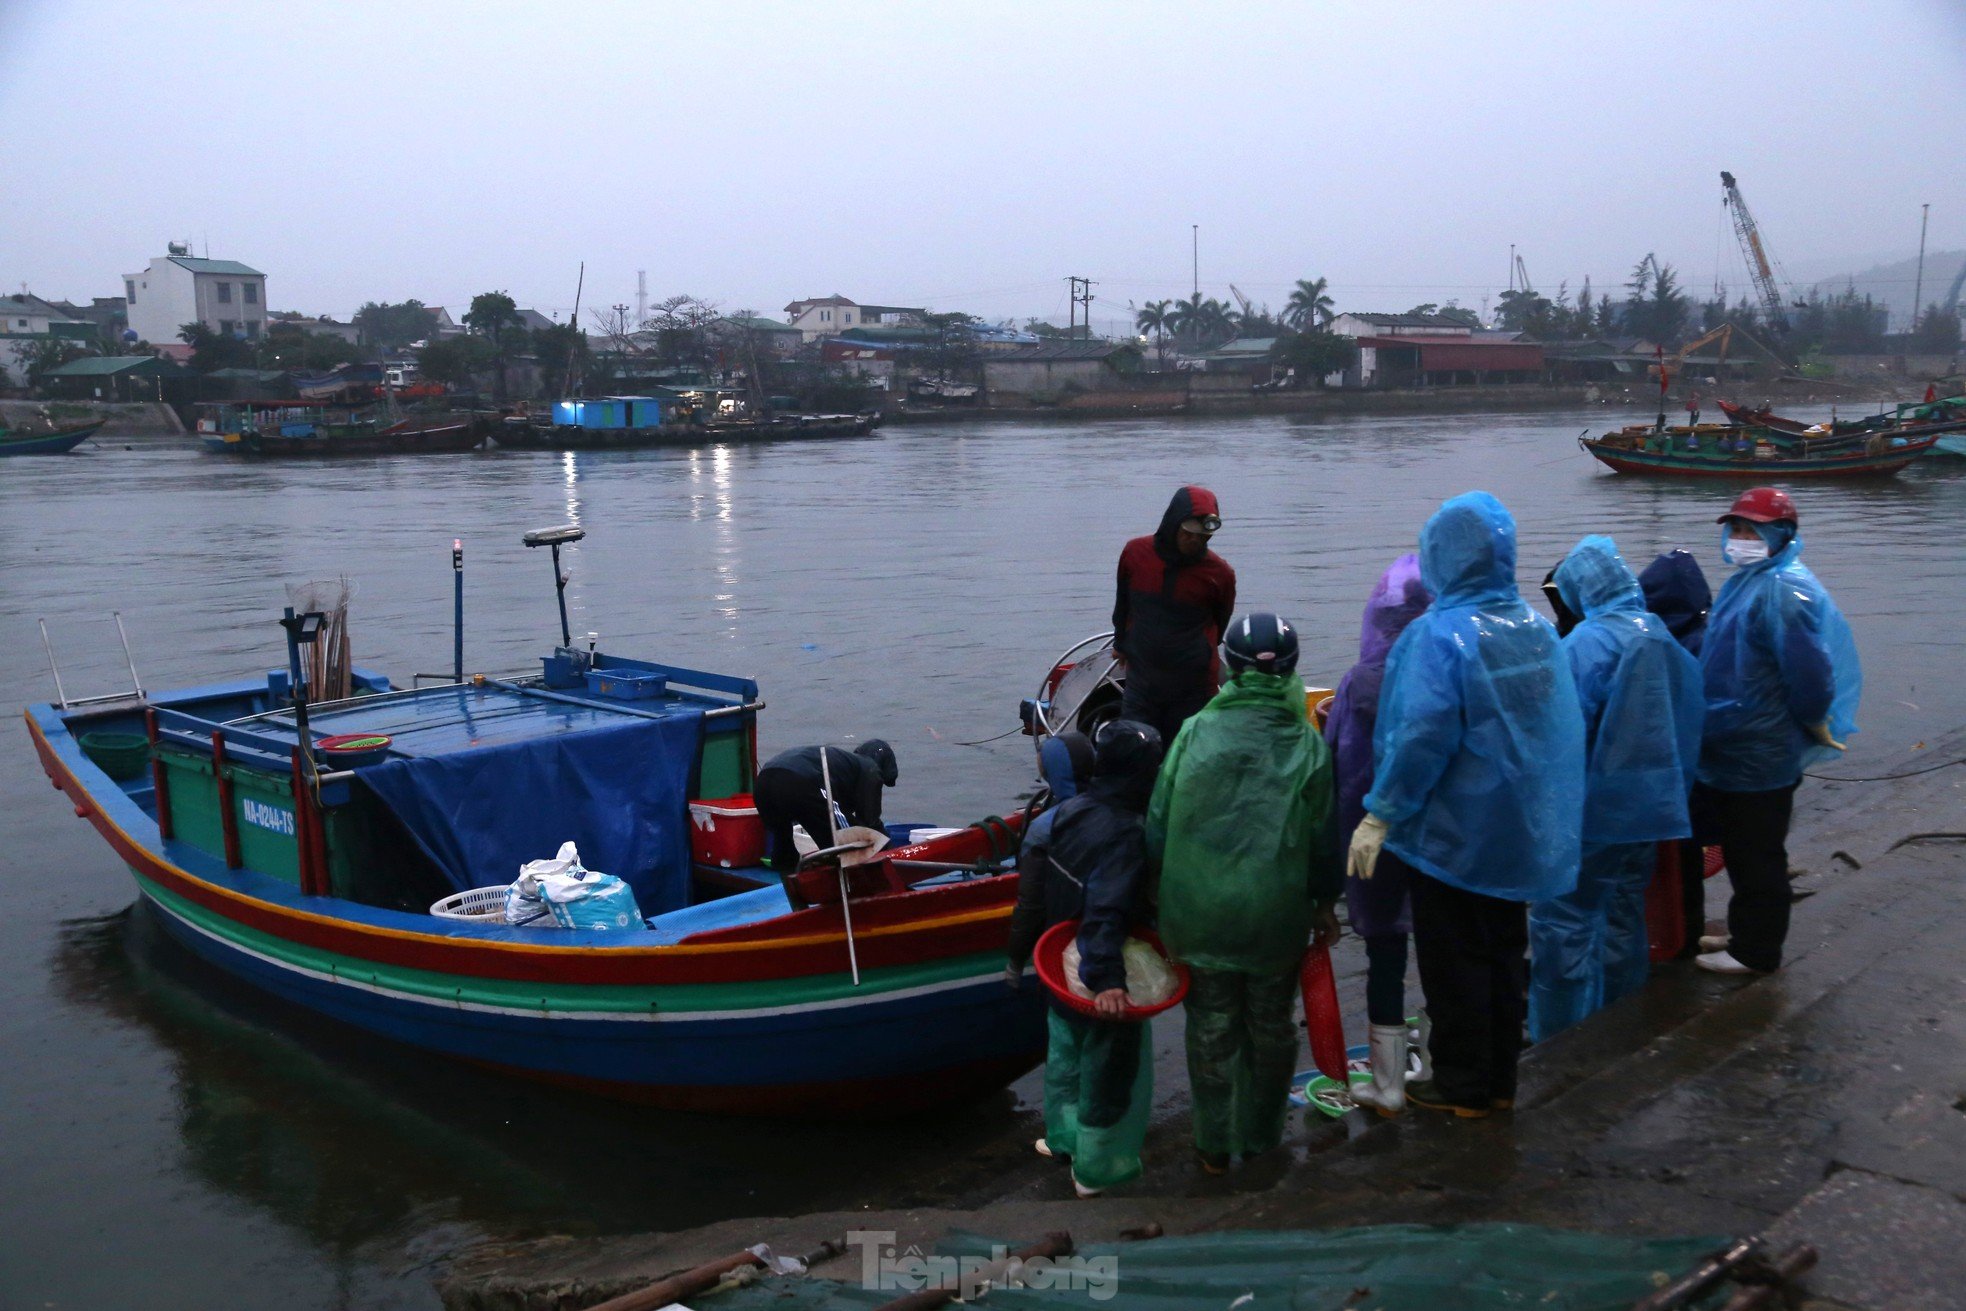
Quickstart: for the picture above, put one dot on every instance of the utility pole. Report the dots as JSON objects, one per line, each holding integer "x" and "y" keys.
{"x": 641, "y": 298}
{"x": 1918, "y": 286}
{"x": 1081, "y": 293}
{"x": 1196, "y": 235}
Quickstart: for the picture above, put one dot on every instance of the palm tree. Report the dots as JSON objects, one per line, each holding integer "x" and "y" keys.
{"x": 1155, "y": 317}
{"x": 1308, "y": 306}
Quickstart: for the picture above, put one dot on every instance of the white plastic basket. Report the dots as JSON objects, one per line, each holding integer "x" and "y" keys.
{"x": 479, "y": 905}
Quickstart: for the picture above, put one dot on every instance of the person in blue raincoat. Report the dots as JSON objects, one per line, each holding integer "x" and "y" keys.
{"x": 1478, "y": 787}
{"x": 1782, "y": 686}
{"x": 1641, "y": 698}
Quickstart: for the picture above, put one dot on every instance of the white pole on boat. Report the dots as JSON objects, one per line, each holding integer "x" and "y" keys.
{"x": 128, "y": 659}
{"x": 61, "y": 697}
{"x": 846, "y": 902}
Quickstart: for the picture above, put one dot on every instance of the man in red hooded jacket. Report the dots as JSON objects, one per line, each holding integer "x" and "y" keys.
{"x": 1175, "y": 599}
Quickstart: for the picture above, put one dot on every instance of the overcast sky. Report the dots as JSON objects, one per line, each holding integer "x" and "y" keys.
{"x": 966, "y": 157}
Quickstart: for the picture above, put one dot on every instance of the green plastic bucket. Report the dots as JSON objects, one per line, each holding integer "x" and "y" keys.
{"x": 122, "y": 756}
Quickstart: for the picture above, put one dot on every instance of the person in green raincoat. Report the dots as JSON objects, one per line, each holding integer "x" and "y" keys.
{"x": 1242, "y": 825}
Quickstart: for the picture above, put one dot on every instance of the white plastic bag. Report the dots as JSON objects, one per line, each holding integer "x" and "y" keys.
{"x": 523, "y": 904}
{"x": 1150, "y": 980}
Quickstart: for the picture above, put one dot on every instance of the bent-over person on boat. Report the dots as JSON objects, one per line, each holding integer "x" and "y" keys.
{"x": 791, "y": 789}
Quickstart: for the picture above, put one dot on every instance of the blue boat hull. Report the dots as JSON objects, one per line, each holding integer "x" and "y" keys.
{"x": 54, "y": 443}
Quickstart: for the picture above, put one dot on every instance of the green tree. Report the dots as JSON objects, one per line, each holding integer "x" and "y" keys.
{"x": 1154, "y": 317}
{"x": 49, "y": 354}
{"x": 1309, "y": 306}
{"x": 385, "y": 327}
{"x": 1199, "y": 323}
{"x": 1656, "y": 309}
{"x": 494, "y": 316}
{"x": 213, "y": 350}
{"x": 454, "y": 361}
{"x": 1523, "y": 310}
{"x": 953, "y": 354}
{"x": 1937, "y": 332}
{"x": 289, "y": 345}
{"x": 1314, "y": 354}
{"x": 562, "y": 354}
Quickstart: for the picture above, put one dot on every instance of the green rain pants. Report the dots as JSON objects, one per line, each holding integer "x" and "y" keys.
{"x": 1242, "y": 1052}
{"x": 1098, "y": 1093}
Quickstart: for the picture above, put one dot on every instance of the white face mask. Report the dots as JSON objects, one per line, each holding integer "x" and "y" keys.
{"x": 1746, "y": 550}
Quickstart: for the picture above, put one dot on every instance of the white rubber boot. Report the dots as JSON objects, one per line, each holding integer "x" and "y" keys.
{"x": 1386, "y": 1093}
{"x": 1424, "y": 1033}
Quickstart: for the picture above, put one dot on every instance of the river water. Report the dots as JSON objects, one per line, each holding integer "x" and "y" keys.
{"x": 167, "y": 1141}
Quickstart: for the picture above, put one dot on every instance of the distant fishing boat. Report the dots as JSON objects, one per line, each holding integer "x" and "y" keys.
{"x": 315, "y": 429}
{"x": 621, "y": 422}
{"x": 56, "y": 441}
{"x": 1909, "y": 419}
{"x": 298, "y": 845}
{"x": 1637, "y": 450}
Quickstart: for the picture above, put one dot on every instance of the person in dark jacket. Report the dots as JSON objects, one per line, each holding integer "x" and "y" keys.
{"x": 1676, "y": 590}
{"x": 791, "y": 790}
{"x": 1091, "y": 866}
{"x": 1175, "y": 600}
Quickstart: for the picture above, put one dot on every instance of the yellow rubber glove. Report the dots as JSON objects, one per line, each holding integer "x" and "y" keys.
{"x": 1366, "y": 841}
{"x": 1822, "y": 734}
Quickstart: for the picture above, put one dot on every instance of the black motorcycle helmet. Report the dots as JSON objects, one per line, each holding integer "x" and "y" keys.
{"x": 1126, "y": 747}
{"x": 1261, "y": 641}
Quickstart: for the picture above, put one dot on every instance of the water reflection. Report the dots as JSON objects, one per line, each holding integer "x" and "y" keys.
{"x": 347, "y": 1138}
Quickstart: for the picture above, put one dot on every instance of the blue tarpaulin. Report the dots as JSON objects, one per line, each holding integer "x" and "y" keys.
{"x": 620, "y": 792}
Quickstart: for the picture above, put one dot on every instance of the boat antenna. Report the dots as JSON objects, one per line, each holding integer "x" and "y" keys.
{"x": 556, "y": 538}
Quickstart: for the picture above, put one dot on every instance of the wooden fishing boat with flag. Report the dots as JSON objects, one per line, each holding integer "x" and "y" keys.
{"x": 323, "y": 846}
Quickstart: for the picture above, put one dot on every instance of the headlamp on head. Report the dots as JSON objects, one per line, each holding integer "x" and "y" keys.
{"x": 1205, "y": 524}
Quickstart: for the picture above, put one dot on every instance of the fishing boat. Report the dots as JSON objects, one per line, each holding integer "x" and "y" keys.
{"x": 299, "y": 844}
{"x": 1912, "y": 418}
{"x": 1635, "y": 450}
{"x": 624, "y": 422}
{"x": 304, "y": 428}
{"x": 56, "y": 441}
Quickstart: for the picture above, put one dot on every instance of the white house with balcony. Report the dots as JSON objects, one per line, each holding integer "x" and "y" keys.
{"x": 831, "y": 315}
{"x": 179, "y": 288}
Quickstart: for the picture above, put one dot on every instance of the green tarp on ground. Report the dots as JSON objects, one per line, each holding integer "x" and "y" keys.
{"x": 1498, "y": 1267}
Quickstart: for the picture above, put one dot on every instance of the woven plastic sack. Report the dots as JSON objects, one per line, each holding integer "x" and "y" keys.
{"x": 592, "y": 901}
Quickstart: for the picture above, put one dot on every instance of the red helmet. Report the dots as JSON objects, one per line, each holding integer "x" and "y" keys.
{"x": 1761, "y": 505}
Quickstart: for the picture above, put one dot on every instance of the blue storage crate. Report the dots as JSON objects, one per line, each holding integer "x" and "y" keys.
{"x": 626, "y": 684}
{"x": 564, "y": 670}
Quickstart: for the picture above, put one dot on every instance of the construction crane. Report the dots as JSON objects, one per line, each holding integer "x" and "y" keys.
{"x": 1241, "y": 300}
{"x": 1522, "y": 275}
{"x": 1761, "y": 267}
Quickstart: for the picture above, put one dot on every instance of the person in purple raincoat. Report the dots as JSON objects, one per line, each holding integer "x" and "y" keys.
{"x": 1379, "y": 909}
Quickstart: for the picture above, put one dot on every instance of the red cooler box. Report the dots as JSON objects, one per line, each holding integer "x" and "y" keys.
{"x": 726, "y": 832}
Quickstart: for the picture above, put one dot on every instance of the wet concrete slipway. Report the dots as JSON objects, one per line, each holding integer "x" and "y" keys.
{"x": 168, "y": 1140}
